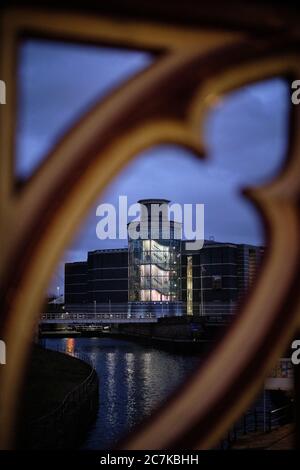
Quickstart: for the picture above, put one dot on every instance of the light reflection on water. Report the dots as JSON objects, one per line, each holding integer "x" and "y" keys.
{"x": 134, "y": 379}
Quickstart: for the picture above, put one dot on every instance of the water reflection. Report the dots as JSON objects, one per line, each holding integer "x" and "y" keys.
{"x": 134, "y": 379}
{"x": 130, "y": 379}
{"x": 111, "y": 389}
{"x": 70, "y": 345}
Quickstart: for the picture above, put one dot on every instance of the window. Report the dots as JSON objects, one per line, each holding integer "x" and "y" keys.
{"x": 216, "y": 282}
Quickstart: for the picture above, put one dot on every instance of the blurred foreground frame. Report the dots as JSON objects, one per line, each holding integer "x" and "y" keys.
{"x": 201, "y": 51}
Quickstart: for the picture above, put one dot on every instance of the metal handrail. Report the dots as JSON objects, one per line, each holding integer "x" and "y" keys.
{"x": 243, "y": 427}
{"x": 279, "y": 413}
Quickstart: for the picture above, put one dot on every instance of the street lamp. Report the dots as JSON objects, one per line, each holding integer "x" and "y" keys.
{"x": 57, "y": 298}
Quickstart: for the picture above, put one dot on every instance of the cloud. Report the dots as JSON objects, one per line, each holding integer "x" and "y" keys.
{"x": 57, "y": 83}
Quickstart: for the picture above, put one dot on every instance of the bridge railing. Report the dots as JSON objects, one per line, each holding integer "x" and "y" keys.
{"x": 158, "y": 308}
{"x": 94, "y": 316}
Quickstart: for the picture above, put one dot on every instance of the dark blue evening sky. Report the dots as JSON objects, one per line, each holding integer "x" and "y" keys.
{"x": 245, "y": 135}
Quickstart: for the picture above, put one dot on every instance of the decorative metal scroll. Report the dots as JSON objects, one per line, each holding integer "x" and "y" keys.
{"x": 193, "y": 67}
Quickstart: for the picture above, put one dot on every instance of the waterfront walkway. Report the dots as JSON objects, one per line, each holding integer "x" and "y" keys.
{"x": 277, "y": 439}
{"x": 59, "y": 391}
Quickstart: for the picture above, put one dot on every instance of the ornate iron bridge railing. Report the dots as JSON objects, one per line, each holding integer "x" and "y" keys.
{"x": 201, "y": 52}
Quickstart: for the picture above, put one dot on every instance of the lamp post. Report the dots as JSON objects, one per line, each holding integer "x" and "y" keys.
{"x": 57, "y": 298}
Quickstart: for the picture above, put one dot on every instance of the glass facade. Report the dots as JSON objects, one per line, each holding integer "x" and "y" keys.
{"x": 189, "y": 286}
{"x": 154, "y": 270}
{"x": 154, "y": 260}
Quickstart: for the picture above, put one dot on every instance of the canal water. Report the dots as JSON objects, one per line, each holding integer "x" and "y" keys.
{"x": 134, "y": 379}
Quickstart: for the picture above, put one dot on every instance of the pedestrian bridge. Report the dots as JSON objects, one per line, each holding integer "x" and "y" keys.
{"x": 95, "y": 318}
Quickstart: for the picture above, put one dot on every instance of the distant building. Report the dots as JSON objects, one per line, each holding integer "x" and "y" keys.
{"x": 103, "y": 278}
{"x": 76, "y": 275}
{"x": 215, "y": 278}
{"x": 154, "y": 262}
{"x": 158, "y": 276}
